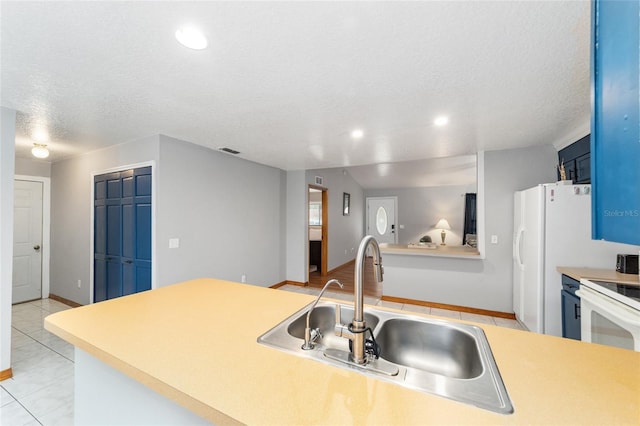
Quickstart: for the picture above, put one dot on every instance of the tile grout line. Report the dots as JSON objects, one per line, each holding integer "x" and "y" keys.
{"x": 17, "y": 400}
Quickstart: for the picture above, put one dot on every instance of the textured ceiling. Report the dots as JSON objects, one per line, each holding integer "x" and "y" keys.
{"x": 285, "y": 83}
{"x": 458, "y": 170}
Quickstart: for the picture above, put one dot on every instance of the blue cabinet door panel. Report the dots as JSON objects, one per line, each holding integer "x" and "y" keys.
{"x": 143, "y": 277}
{"x": 114, "y": 230}
{"x": 128, "y": 232}
{"x": 127, "y": 187}
{"x": 615, "y": 149}
{"x": 122, "y": 233}
{"x": 143, "y": 232}
{"x": 100, "y": 280}
{"x": 100, "y": 232}
{"x": 128, "y": 278}
{"x": 143, "y": 185}
{"x": 113, "y": 188}
{"x": 100, "y": 190}
{"x": 114, "y": 279}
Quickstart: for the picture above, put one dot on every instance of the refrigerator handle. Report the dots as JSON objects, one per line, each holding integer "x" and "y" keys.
{"x": 517, "y": 248}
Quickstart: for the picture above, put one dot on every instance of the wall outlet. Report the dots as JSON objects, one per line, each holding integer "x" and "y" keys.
{"x": 174, "y": 242}
{"x": 243, "y": 278}
{"x": 79, "y": 283}
{"x": 494, "y": 239}
{"x": 345, "y": 251}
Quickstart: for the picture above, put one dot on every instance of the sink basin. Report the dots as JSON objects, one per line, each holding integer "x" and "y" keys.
{"x": 439, "y": 357}
{"x": 324, "y": 318}
{"x": 437, "y": 348}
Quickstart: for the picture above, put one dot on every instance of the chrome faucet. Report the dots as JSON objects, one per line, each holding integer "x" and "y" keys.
{"x": 356, "y": 330}
{"x": 310, "y": 335}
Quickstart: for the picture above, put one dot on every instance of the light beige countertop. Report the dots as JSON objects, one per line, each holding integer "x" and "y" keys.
{"x": 439, "y": 250}
{"x": 610, "y": 275}
{"x": 195, "y": 343}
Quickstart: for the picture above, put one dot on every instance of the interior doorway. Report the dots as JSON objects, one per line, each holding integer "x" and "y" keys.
{"x": 27, "y": 241}
{"x": 318, "y": 225}
{"x": 30, "y": 278}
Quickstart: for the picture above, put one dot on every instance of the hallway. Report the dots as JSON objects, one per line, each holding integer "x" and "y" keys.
{"x": 345, "y": 274}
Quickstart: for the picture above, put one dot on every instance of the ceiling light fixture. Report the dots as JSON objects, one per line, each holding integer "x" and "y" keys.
{"x": 192, "y": 38}
{"x": 441, "y": 121}
{"x": 39, "y": 150}
{"x": 357, "y": 134}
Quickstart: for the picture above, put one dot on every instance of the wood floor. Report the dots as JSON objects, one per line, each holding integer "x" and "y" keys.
{"x": 345, "y": 274}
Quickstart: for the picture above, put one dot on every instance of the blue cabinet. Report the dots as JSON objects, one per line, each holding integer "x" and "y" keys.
{"x": 122, "y": 233}
{"x": 615, "y": 126}
{"x": 570, "y": 308}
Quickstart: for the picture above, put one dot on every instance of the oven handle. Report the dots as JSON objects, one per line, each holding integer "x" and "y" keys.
{"x": 622, "y": 313}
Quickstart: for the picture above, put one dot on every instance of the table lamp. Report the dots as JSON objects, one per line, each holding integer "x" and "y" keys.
{"x": 443, "y": 224}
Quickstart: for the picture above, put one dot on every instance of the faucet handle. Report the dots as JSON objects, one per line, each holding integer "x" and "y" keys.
{"x": 338, "y": 317}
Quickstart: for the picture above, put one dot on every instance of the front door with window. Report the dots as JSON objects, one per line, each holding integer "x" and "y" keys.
{"x": 122, "y": 234}
{"x": 381, "y": 219}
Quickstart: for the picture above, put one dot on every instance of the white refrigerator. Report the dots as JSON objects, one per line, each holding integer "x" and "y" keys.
{"x": 552, "y": 227}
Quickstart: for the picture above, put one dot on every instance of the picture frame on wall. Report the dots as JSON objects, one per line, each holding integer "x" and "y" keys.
{"x": 346, "y": 204}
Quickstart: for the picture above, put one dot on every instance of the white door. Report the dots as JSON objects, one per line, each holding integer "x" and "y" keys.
{"x": 381, "y": 219}
{"x": 27, "y": 241}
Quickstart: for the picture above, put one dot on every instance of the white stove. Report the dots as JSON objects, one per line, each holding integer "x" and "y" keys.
{"x": 629, "y": 294}
{"x": 610, "y": 313}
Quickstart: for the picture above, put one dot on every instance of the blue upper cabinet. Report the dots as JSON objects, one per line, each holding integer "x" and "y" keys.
{"x": 615, "y": 120}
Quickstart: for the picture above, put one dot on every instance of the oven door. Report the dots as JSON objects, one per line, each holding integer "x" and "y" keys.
{"x": 607, "y": 321}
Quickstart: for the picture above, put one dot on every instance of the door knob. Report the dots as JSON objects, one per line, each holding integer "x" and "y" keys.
{"x": 36, "y": 247}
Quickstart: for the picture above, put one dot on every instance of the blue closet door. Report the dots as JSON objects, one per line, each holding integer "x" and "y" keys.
{"x": 615, "y": 142}
{"x": 122, "y": 221}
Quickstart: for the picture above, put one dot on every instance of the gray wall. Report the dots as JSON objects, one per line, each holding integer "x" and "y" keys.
{"x": 71, "y": 184}
{"x": 29, "y": 167}
{"x": 345, "y": 232}
{"x": 486, "y": 283}
{"x": 297, "y": 259}
{"x": 419, "y": 209}
{"x": 226, "y": 212}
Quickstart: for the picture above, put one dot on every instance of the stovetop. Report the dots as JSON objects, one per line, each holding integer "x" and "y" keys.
{"x": 629, "y": 294}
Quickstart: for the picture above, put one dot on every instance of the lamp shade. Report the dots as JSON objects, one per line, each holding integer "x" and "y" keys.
{"x": 443, "y": 224}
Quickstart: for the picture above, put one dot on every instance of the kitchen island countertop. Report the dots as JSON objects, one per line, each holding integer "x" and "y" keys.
{"x": 195, "y": 343}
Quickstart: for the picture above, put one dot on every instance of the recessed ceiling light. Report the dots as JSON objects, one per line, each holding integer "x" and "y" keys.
{"x": 191, "y": 37}
{"x": 357, "y": 134}
{"x": 441, "y": 121}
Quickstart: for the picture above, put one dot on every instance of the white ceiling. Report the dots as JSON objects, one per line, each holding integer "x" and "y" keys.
{"x": 285, "y": 83}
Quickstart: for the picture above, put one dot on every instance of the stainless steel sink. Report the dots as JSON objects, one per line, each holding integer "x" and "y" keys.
{"x": 444, "y": 358}
{"x": 324, "y": 318}
{"x": 444, "y": 349}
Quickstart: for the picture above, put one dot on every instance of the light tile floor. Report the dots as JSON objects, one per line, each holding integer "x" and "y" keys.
{"x": 41, "y": 389}
{"x": 484, "y": 319}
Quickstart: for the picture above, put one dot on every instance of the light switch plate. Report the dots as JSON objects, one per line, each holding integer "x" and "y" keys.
{"x": 174, "y": 242}
{"x": 494, "y": 239}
